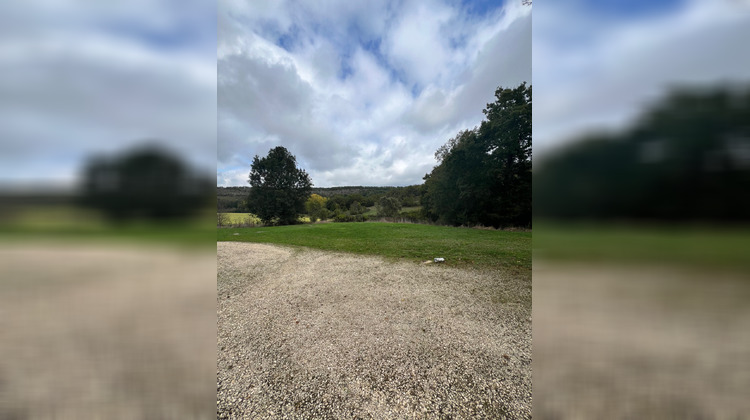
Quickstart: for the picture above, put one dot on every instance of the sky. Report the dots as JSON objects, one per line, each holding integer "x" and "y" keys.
{"x": 599, "y": 64}
{"x": 86, "y": 78}
{"x": 362, "y": 93}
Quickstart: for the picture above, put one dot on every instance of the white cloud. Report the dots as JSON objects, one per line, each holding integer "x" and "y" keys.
{"x": 338, "y": 91}
{"x": 608, "y": 78}
{"x": 79, "y": 81}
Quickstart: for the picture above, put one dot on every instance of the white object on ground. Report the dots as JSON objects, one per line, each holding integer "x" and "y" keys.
{"x": 439, "y": 259}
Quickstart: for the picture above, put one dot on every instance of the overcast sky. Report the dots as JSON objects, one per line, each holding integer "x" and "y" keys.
{"x": 83, "y": 78}
{"x": 362, "y": 93}
{"x": 599, "y": 64}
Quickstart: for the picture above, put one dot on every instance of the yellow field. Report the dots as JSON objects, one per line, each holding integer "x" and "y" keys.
{"x": 251, "y": 219}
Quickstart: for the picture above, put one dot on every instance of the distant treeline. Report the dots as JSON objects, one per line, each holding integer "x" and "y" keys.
{"x": 233, "y": 199}
{"x": 483, "y": 178}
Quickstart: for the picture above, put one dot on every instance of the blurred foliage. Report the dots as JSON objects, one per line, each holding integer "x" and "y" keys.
{"x": 685, "y": 159}
{"x": 146, "y": 183}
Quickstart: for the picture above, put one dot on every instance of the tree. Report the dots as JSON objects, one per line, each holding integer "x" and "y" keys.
{"x": 686, "y": 158}
{"x": 144, "y": 183}
{"x": 316, "y": 207}
{"x": 506, "y": 136}
{"x": 388, "y": 207}
{"x": 278, "y": 189}
{"x": 484, "y": 175}
{"x": 357, "y": 211}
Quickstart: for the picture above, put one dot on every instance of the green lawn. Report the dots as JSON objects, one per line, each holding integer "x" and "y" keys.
{"x": 461, "y": 247}
{"x": 70, "y": 224}
{"x": 684, "y": 245}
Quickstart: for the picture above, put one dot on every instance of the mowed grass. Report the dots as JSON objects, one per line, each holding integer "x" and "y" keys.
{"x": 69, "y": 224}
{"x": 705, "y": 246}
{"x": 461, "y": 247}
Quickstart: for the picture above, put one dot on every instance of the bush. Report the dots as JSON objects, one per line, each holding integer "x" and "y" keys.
{"x": 414, "y": 215}
{"x": 222, "y": 219}
{"x": 348, "y": 217}
{"x": 388, "y": 207}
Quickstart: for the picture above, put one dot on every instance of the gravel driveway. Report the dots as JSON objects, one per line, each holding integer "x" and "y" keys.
{"x": 615, "y": 341}
{"x": 104, "y": 331}
{"x": 312, "y": 334}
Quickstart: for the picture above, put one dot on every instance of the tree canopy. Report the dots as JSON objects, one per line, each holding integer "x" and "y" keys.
{"x": 144, "y": 183}
{"x": 316, "y": 207}
{"x": 484, "y": 175}
{"x": 686, "y": 158}
{"x": 278, "y": 189}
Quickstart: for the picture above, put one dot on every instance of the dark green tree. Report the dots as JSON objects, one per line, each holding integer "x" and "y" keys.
{"x": 388, "y": 207}
{"x": 484, "y": 175}
{"x": 144, "y": 183}
{"x": 687, "y": 158}
{"x": 506, "y": 137}
{"x": 357, "y": 211}
{"x": 278, "y": 189}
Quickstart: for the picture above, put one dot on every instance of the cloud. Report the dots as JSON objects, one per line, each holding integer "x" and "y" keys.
{"x": 608, "y": 78}
{"x": 360, "y": 94}
{"x": 78, "y": 81}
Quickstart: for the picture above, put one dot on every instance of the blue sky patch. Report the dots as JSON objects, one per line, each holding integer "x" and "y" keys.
{"x": 631, "y": 9}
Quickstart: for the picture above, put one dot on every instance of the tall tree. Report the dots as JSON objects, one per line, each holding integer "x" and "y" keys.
{"x": 506, "y": 137}
{"x": 484, "y": 175}
{"x": 685, "y": 158}
{"x": 278, "y": 189}
{"x": 144, "y": 183}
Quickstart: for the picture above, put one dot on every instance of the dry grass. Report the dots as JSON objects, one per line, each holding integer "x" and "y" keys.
{"x": 313, "y": 334}
{"x": 105, "y": 332}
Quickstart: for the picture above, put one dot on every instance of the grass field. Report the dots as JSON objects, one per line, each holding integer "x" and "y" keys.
{"x": 249, "y": 218}
{"x": 239, "y": 218}
{"x": 461, "y": 247}
{"x": 69, "y": 223}
{"x": 685, "y": 245}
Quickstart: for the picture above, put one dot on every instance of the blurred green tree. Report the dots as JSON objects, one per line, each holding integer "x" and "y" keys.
{"x": 685, "y": 158}
{"x": 144, "y": 183}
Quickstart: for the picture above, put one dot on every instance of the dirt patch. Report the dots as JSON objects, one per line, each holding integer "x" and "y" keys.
{"x": 311, "y": 334}
{"x": 621, "y": 342}
{"x": 106, "y": 332}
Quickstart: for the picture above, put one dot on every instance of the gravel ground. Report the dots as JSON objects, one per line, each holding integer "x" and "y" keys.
{"x": 106, "y": 332}
{"x": 311, "y": 334}
{"x": 640, "y": 342}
